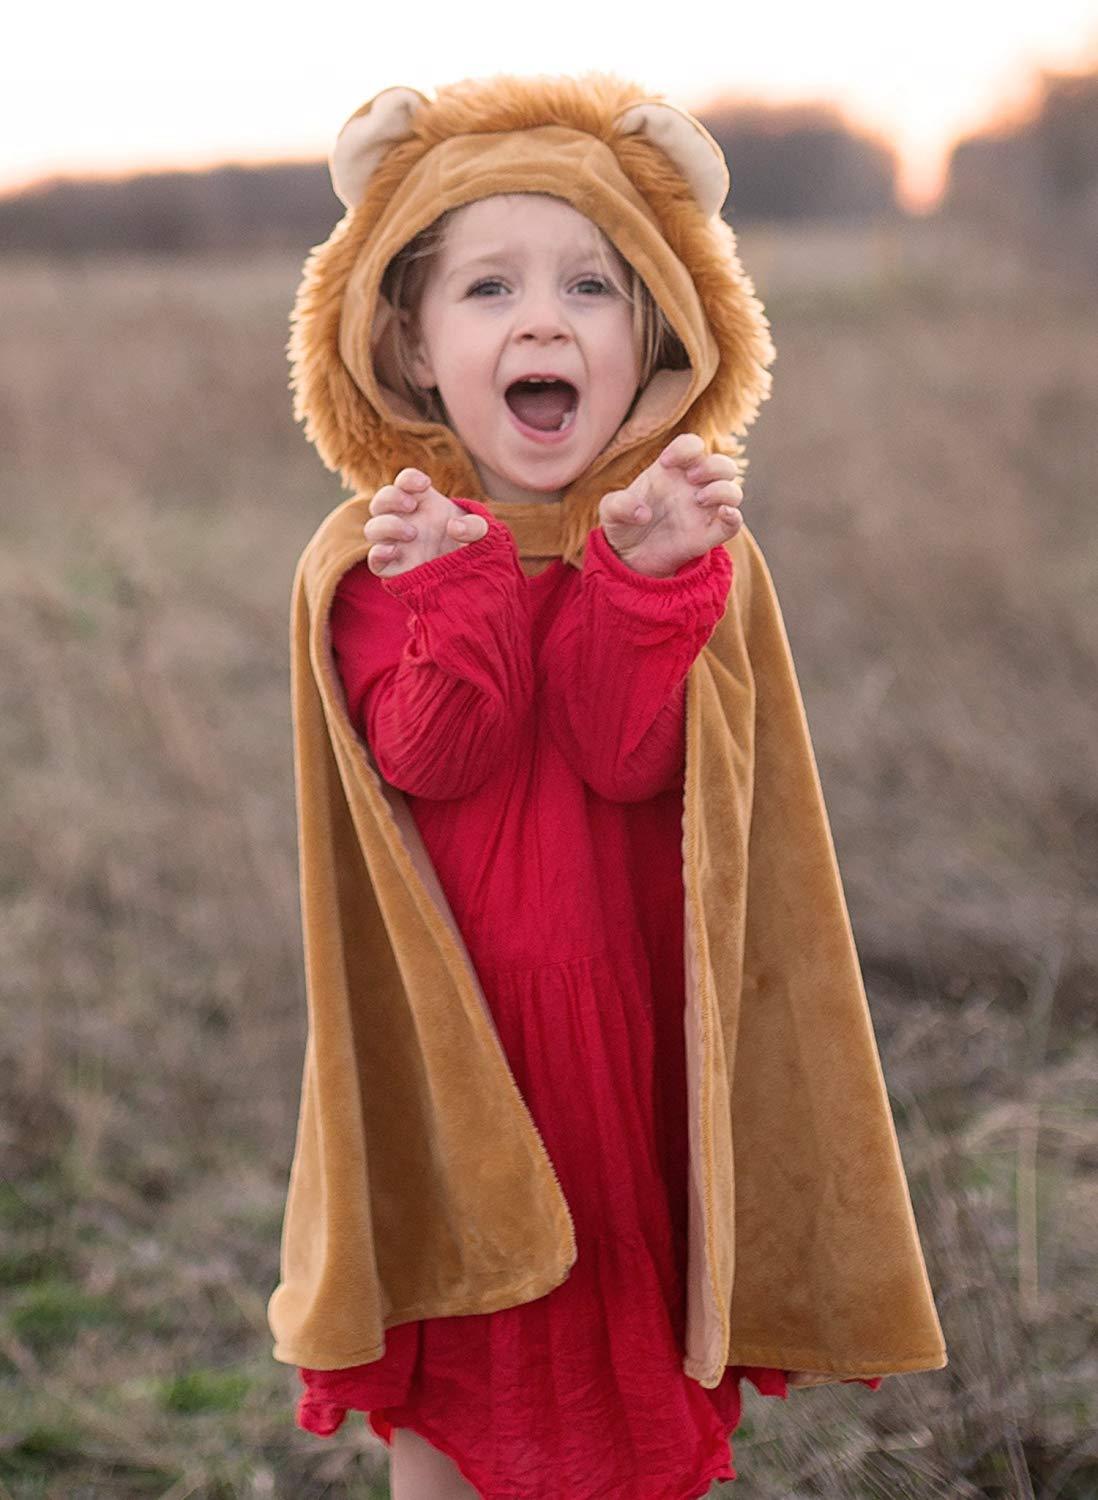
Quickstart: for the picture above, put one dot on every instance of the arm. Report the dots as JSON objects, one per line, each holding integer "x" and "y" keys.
{"x": 436, "y": 663}
{"x": 613, "y": 669}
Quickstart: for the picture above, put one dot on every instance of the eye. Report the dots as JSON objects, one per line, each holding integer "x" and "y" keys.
{"x": 601, "y": 287}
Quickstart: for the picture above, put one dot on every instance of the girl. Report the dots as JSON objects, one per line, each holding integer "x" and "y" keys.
{"x": 502, "y": 663}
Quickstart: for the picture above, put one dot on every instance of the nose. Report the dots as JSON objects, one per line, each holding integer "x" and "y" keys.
{"x": 541, "y": 318}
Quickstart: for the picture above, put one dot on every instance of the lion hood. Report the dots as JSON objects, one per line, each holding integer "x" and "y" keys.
{"x": 601, "y": 144}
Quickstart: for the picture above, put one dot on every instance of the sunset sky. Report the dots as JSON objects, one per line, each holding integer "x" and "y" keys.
{"x": 116, "y": 87}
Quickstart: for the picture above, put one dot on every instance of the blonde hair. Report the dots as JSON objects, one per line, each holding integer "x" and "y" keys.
{"x": 402, "y": 285}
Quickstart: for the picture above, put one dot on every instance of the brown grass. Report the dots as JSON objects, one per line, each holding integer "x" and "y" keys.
{"x": 923, "y": 485}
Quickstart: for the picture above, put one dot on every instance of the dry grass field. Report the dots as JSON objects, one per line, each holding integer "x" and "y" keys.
{"x": 923, "y": 482}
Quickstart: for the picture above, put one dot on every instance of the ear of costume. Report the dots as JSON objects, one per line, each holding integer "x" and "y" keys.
{"x": 366, "y": 137}
{"x": 688, "y": 144}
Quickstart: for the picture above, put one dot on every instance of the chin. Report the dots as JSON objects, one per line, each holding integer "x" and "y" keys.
{"x": 546, "y": 480}
{"x": 555, "y": 473}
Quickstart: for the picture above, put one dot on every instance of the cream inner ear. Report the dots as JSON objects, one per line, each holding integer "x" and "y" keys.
{"x": 685, "y": 140}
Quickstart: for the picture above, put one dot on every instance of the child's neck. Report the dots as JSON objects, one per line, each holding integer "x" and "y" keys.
{"x": 510, "y": 496}
{"x": 504, "y": 492}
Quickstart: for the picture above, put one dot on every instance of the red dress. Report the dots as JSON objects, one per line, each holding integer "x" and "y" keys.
{"x": 537, "y": 727}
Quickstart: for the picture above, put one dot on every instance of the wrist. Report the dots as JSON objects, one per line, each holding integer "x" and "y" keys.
{"x": 662, "y": 573}
{"x": 628, "y": 562}
{"x": 645, "y": 572}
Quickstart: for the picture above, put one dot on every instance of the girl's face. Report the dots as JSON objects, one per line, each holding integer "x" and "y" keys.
{"x": 517, "y": 291}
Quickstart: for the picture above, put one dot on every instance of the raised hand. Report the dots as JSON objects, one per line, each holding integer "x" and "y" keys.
{"x": 676, "y": 509}
{"x": 412, "y": 523}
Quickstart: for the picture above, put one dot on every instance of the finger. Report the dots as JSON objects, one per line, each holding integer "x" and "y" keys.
{"x": 712, "y": 466}
{"x": 389, "y": 529}
{"x": 720, "y": 491}
{"x": 730, "y": 518}
{"x": 381, "y": 556}
{"x": 392, "y": 498}
{"x": 412, "y": 479}
{"x": 685, "y": 449}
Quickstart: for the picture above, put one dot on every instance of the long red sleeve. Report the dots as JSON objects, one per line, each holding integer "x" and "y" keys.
{"x": 438, "y": 679}
{"x": 612, "y": 670}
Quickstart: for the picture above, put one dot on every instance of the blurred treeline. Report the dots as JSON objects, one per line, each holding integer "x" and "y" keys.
{"x": 1037, "y": 177}
{"x": 922, "y": 484}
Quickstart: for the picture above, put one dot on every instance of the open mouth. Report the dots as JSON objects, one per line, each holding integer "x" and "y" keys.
{"x": 547, "y": 406}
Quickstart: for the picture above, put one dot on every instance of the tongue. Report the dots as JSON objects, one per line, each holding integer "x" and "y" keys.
{"x": 541, "y": 406}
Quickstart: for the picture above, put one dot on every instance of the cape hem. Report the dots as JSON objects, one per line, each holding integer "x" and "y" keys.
{"x": 815, "y": 1364}
{"x": 290, "y": 1353}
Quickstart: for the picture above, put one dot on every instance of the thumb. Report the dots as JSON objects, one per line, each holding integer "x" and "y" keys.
{"x": 467, "y": 527}
{"x": 622, "y": 508}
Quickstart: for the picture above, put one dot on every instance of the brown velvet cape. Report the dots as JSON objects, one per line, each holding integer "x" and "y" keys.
{"x": 420, "y": 1185}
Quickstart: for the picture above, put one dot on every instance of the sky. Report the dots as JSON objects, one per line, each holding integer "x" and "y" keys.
{"x": 119, "y": 87}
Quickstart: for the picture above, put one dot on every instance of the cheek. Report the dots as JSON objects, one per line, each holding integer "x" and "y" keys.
{"x": 620, "y": 354}
{"x": 468, "y": 355}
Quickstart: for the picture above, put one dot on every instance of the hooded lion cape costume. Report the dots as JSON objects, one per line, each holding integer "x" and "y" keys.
{"x": 420, "y": 1185}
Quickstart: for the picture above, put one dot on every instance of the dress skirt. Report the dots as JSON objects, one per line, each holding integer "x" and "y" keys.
{"x": 588, "y": 1378}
